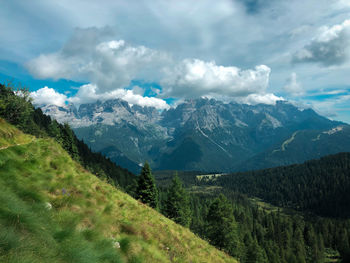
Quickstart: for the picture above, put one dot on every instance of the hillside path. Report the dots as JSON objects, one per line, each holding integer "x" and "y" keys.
{"x": 18, "y": 144}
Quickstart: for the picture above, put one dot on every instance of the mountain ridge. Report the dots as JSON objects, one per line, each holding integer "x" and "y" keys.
{"x": 222, "y": 136}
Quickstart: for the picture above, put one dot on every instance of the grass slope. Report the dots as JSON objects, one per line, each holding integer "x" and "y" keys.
{"x": 53, "y": 210}
{"x": 10, "y": 136}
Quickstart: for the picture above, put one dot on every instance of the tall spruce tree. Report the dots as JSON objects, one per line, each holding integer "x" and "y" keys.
{"x": 222, "y": 226}
{"x": 177, "y": 205}
{"x": 146, "y": 188}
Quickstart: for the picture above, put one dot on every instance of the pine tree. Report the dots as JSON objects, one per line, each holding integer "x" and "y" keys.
{"x": 222, "y": 227}
{"x": 146, "y": 188}
{"x": 177, "y": 205}
{"x": 255, "y": 254}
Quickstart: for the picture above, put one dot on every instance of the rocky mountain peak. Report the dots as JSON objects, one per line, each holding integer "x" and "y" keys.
{"x": 199, "y": 134}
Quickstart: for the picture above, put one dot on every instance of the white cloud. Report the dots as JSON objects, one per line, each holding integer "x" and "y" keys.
{"x": 222, "y": 32}
{"x": 195, "y": 78}
{"x": 132, "y": 98}
{"x": 49, "y": 66}
{"x": 110, "y": 46}
{"x": 329, "y": 33}
{"x": 329, "y": 47}
{"x": 90, "y": 93}
{"x": 111, "y": 65}
{"x": 48, "y": 96}
{"x": 253, "y": 99}
{"x": 293, "y": 87}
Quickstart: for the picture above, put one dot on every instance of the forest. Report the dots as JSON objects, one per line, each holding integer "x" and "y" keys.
{"x": 245, "y": 229}
{"x": 318, "y": 186}
{"x": 253, "y": 232}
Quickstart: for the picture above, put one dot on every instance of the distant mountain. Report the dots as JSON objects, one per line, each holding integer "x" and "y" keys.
{"x": 302, "y": 145}
{"x": 204, "y": 134}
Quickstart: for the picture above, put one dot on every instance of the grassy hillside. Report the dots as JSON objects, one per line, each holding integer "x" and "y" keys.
{"x": 53, "y": 210}
{"x": 19, "y": 111}
{"x": 9, "y": 135}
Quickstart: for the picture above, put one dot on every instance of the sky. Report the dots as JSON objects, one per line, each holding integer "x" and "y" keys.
{"x": 161, "y": 52}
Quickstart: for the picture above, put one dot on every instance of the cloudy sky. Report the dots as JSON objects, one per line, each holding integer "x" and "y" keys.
{"x": 160, "y": 52}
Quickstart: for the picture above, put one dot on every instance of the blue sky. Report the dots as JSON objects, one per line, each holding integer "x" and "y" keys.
{"x": 157, "y": 53}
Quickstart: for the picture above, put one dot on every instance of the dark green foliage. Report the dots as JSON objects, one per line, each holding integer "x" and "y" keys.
{"x": 272, "y": 236}
{"x": 125, "y": 244}
{"x": 16, "y": 109}
{"x": 19, "y": 111}
{"x": 177, "y": 204}
{"x": 222, "y": 227}
{"x": 320, "y": 186}
{"x": 268, "y": 234}
{"x": 255, "y": 254}
{"x": 146, "y": 188}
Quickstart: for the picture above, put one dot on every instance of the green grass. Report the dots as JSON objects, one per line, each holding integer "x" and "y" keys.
{"x": 9, "y": 135}
{"x": 89, "y": 220}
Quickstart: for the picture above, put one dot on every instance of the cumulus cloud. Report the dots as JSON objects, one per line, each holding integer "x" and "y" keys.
{"x": 243, "y": 33}
{"x": 110, "y": 66}
{"x": 197, "y": 78}
{"x": 293, "y": 87}
{"x": 90, "y": 93}
{"x": 253, "y": 99}
{"x": 329, "y": 47}
{"x": 48, "y": 96}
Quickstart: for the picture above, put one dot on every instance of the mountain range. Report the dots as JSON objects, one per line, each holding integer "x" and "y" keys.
{"x": 204, "y": 134}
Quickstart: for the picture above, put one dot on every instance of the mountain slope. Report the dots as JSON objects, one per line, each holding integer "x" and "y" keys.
{"x": 199, "y": 134}
{"x": 19, "y": 111}
{"x": 301, "y": 146}
{"x": 53, "y": 210}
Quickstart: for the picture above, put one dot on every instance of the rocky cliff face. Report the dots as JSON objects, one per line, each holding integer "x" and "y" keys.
{"x": 199, "y": 134}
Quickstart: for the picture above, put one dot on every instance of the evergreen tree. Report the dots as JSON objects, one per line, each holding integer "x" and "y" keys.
{"x": 177, "y": 205}
{"x": 255, "y": 254}
{"x": 222, "y": 227}
{"x": 146, "y": 188}
{"x": 16, "y": 107}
